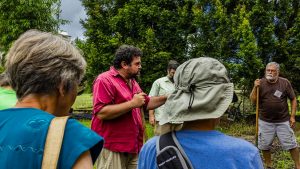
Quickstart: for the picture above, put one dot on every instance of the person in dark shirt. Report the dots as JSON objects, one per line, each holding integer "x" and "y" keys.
{"x": 274, "y": 117}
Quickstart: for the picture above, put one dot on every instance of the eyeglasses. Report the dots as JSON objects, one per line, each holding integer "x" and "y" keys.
{"x": 271, "y": 70}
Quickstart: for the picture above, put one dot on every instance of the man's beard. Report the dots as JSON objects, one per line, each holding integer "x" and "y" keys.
{"x": 271, "y": 78}
{"x": 134, "y": 75}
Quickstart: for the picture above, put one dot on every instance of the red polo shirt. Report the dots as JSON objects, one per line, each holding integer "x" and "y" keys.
{"x": 124, "y": 133}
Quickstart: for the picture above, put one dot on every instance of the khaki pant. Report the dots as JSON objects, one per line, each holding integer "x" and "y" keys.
{"x": 162, "y": 129}
{"x": 115, "y": 160}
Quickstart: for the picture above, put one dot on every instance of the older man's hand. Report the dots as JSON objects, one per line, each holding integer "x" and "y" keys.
{"x": 292, "y": 122}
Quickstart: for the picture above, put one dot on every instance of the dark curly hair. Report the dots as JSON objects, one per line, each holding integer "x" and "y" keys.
{"x": 126, "y": 53}
{"x": 173, "y": 64}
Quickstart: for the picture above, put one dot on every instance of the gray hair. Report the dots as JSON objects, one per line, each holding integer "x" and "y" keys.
{"x": 38, "y": 62}
{"x": 275, "y": 64}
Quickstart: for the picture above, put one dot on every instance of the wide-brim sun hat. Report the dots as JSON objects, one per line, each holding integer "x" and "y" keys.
{"x": 202, "y": 91}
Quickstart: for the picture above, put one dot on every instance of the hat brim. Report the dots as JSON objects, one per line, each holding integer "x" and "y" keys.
{"x": 209, "y": 102}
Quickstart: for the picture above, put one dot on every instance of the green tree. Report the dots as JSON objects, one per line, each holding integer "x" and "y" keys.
{"x": 214, "y": 35}
{"x": 159, "y": 28}
{"x": 243, "y": 34}
{"x": 247, "y": 49}
{"x": 275, "y": 27}
{"x": 209, "y": 21}
{"x": 292, "y": 64}
{"x": 17, "y": 16}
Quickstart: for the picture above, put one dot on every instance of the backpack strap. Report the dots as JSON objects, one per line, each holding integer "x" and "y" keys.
{"x": 53, "y": 142}
{"x": 169, "y": 140}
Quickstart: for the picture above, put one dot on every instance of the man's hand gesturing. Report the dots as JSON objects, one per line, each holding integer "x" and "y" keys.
{"x": 138, "y": 100}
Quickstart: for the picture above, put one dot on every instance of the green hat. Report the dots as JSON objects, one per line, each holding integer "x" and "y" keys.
{"x": 202, "y": 91}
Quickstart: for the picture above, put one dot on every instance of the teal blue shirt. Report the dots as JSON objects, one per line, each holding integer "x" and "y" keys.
{"x": 23, "y": 133}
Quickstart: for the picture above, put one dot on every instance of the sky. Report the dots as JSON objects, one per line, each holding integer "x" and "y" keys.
{"x": 73, "y": 11}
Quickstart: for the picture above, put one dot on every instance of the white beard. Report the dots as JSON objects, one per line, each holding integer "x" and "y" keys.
{"x": 270, "y": 77}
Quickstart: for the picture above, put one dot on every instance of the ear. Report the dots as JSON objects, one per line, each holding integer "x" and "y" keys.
{"x": 124, "y": 64}
{"x": 61, "y": 89}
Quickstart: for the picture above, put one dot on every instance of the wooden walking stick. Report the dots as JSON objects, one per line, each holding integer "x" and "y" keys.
{"x": 256, "y": 119}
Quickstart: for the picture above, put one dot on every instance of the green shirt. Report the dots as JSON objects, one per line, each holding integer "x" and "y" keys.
{"x": 162, "y": 86}
{"x": 8, "y": 98}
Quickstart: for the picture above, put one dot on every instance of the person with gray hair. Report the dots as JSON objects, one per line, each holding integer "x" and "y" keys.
{"x": 202, "y": 94}
{"x": 274, "y": 117}
{"x": 44, "y": 69}
{"x": 7, "y": 95}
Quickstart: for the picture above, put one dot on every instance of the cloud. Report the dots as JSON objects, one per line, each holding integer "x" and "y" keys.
{"x": 73, "y": 11}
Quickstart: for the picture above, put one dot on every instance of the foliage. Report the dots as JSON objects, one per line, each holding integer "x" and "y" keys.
{"x": 276, "y": 27}
{"x": 17, "y": 16}
{"x": 247, "y": 48}
{"x": 244, "y": 129}
{"x": 281, "y": 159}
{"x": 86, "y": 123}
{"x": 244, "y": 35}
{"x": 83, "y": 102}
{"x": 1, "y": 69}
{"x": 149, "y": 25}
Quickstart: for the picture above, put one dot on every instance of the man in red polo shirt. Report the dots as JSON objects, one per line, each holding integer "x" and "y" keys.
{"x": 117, "y": 103}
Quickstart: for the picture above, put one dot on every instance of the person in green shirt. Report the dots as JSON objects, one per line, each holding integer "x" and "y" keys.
{"x": 163, "y": 86}
{"x": 8, "y": 96}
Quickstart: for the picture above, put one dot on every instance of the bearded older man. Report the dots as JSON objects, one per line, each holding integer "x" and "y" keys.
{"x": 274, "y": 117}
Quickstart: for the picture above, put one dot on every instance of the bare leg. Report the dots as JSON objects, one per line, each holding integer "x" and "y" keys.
{"x": 267, "y": 158}
{"x": 295, "y": 156}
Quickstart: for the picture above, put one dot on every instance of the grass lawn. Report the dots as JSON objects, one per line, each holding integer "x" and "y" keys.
{"x": 281, "y": 159}
{"x": 84, "y": 102}
{"x": 86, "y": 123}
